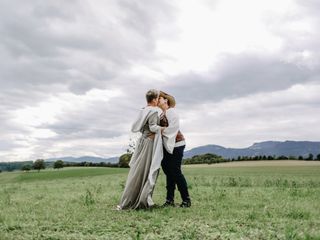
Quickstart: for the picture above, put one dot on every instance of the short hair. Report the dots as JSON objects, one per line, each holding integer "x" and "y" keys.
{"x": 152, "y": 94}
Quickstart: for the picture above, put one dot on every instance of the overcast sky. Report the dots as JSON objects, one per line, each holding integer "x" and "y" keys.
{"x": 74, "y": 73}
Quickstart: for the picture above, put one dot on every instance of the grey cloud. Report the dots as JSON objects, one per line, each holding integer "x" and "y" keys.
{"x": 98, "y": 119}
{"x": 243, "y": 74}
{"x": 144, "y": 15}
{"x": 58, "y": 9}
{"x": 310, "y": 6}
{"x": 52, "y": 47}
{"x": 45, "y": 43}
{"x": 237, "y": 76}
{"x": 5, "y": 145}
{"x": 297, "y": 39}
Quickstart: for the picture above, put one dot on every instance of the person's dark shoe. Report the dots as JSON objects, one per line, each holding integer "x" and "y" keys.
{"x": 185, "y": 204}
{"x": 168, "y": 204}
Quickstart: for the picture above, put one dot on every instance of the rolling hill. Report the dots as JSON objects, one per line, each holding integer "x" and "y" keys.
{"x": 277, "y": 148}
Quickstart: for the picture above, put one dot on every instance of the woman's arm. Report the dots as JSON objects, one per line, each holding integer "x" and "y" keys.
{"x": 153, "y": 123}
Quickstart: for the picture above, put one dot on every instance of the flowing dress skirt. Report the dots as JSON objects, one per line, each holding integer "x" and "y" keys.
{"x": 137, "y": 190}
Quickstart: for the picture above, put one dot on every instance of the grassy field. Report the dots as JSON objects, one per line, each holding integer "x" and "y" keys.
{"x": 240, "y": 200}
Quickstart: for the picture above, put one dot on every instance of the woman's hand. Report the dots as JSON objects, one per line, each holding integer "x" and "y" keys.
{"x": 151, "y": 135}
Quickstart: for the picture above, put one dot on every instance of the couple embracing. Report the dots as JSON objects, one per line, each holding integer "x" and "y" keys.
{"x": 161, "y": 144}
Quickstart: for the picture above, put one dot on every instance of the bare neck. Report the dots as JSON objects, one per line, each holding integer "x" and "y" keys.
{"x": 164, "y": 108}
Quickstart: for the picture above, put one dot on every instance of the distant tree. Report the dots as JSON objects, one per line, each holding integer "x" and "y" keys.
{"x": 300, "y": 158}
{"x": 270, "y": 157}
{"x": 10, "y": 167}
{"x": 124, "y": 160}
{"x": 39, "y": 164}
{"x": 310, "y": 157}
{"x": 102, "y": 164}
{"x": 318, "y": 156}
{"x": 208, "y": 158}
{"x": 58, "y": 164}
{"x": 26, "y": 167}
{"x": 282, "y": 157}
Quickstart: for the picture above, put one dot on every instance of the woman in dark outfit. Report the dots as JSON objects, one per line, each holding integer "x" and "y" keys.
{"x": 173, "y": 147}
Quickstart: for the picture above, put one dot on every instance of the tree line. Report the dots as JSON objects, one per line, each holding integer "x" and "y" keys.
{"x": 40, "y": 164}
{"x": 30, "y": 165}
{"x": 208, "y": 158}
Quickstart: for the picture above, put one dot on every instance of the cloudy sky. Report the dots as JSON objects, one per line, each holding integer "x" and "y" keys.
{"x": 73, "y": 73}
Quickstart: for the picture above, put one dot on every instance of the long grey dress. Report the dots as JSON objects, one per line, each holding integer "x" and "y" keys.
{"x": 145, "y": 162}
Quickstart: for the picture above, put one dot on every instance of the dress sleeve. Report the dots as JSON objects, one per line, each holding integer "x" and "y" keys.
{"x": 153, "y": 122}
{"x": 173, "y": 128}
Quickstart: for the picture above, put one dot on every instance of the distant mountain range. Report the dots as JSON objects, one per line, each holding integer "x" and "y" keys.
{"x": 85, "y": 159}
{"x": 277, "y": 148}
{"x": 268, "y": 148}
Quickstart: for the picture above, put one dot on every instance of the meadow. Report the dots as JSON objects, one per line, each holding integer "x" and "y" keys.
{"x": 239, "y": 200}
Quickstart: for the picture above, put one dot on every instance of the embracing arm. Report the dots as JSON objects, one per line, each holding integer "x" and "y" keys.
{"x": 153, "y": 125}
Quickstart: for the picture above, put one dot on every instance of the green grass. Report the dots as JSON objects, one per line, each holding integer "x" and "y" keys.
{"x": 256, "y": 202}
{"x": 68, "y": 173}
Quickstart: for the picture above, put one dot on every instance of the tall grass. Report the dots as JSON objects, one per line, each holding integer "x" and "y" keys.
{"x": 261, "y": 202}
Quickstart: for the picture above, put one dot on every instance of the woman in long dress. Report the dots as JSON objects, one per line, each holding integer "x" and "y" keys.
{"x": 146, "y": 159}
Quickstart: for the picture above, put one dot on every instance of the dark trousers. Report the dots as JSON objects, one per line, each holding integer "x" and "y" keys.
{"x": 171, "y": 165}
